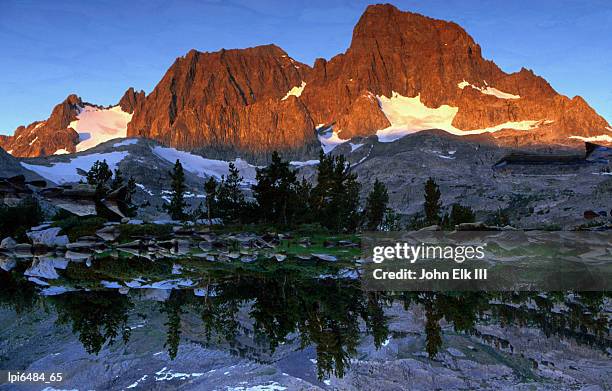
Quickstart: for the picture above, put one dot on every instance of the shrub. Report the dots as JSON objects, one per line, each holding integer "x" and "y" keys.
{"x": 16, "y": 220}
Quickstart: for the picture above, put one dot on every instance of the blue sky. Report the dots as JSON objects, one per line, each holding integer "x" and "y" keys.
{"x": 97, "y": 49}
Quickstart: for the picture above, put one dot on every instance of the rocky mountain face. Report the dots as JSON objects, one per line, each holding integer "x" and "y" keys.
{"x": 230, "y": 98}
{"x": 10, "y": 167}
{"x": 236, "y": 97}
{"x": 56, "y": 134}
{"x": 403, "y": 71}
{"x": 131, "y": 99}
{"x": 42, "y": 138}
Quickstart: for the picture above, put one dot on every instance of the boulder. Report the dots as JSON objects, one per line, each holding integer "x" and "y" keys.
{"x": 49, "y": 237}
{"x": 8, "y": 243}
{"x": 325, "y": 257}
{"x": 177, "y": 269}
{"x": 43, "y": 268}
{"x": 7, "y": 264}
{"x": 109, "y": 233}
{"x": 280, "y": 257}
{"x": 431, "y": 228}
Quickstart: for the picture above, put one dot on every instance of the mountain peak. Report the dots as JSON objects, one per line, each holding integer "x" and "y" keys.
{"x": 131, "y": 99}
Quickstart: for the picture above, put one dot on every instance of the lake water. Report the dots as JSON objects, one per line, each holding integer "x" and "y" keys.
{"x": 117, "y": 323}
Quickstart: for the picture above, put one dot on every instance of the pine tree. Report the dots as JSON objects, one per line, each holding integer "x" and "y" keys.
{"x": 210, "y": 188}
{"x": 275, "y": 191}
{"x": 303, "y": 210}
{"x": 230, "y": 199}
{"x": 118, "y": 180}
{"x": 129, "y": 195}
{"x": 99, "y": 176}
{"x": 177, "y": 205}
{"x": 461, "y": 214}
{"x": 432, "y": 202}
{"x": 376, "y": 205}
{"x": 335, "y": 198}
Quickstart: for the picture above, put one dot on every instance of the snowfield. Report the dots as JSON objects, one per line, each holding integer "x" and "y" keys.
{"x": 67, "y": 172}
{"x": 304, "y": 163}
{"x": 95, "y": 125}
{"x": 126, "y": 142}
{"x": 295, "y": 91}
{"x": 410, "y": 115}
{"x": 203, "y": 167}
{"x": 489, "y": 91}
{"x": 330, "y": 140}
{"x": 601, "y": 137}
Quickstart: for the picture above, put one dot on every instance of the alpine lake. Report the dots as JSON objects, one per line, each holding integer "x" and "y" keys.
{"x": 158, "y": 307}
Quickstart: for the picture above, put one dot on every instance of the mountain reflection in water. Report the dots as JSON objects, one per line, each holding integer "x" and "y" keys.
{"x": 329, "y": 313}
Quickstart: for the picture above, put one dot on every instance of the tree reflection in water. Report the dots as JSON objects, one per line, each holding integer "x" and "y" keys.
{"x": 332, "y": 315}
{"x": 97, "y": 317}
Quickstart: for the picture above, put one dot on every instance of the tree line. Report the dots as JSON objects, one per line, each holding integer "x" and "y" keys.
{"x": 281, "y": 199}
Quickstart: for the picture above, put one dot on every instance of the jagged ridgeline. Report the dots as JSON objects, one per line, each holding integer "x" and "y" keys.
{"x": 402, "y": 72}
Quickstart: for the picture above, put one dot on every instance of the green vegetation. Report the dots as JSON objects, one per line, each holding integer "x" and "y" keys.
{"x": 101, "y": 176}
{"x": 128, "y": 231}
{"x": 16, "y": 220}
{"x": 432, "y": 202}
{"x": 177, "y": 205}
{"x": 376, "y": 206}
{"x": 335, "y": 198}
{"x": 460, "y": 214}
{"x": 277, "y": 191}
{"x": 230, "y": 202}
{"x": 210, "y": 188}
{"x": 76, "y": 227}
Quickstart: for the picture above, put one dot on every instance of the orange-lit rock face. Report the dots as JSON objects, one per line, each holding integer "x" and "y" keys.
{"x": 231, "y": 98}
{"x": 259, "y": 99}
{"x": 43, "y": 138}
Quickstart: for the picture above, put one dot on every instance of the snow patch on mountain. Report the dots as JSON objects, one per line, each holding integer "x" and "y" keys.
{"x": 64, "y": 172}
{"x": 601, "y": 137}
{"x": 330, "y": 140}
{"x": 61, "y": 152}
{"x": 295, "y": 91}
{"x": 488, "y": 90}
{"x": 355, "y": 147}
{"x": 203, "y": 167}
{"x": 126, "y": 142}
{"x": 304, "y": 163}
{"x": 95, "y": 125}
{"x": 410, "y": 115}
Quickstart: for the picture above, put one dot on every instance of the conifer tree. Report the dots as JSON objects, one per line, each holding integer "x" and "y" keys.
{"x": 230, "y": 199}
{"x": 432, "y": 202}
{"x": 460, "y": 214}
{"x": 303, "y": 210}
{"x": 177, "y": 205}
{"x": 118, "y": 180}
{"x": 99, "y": 176}
{"x": 275, "y": 191}
{"x": 210, "y": 188}
{"x": 376, "y": 205}
{"x": 129, "y": 195}
{"x": 335, "y": 198}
